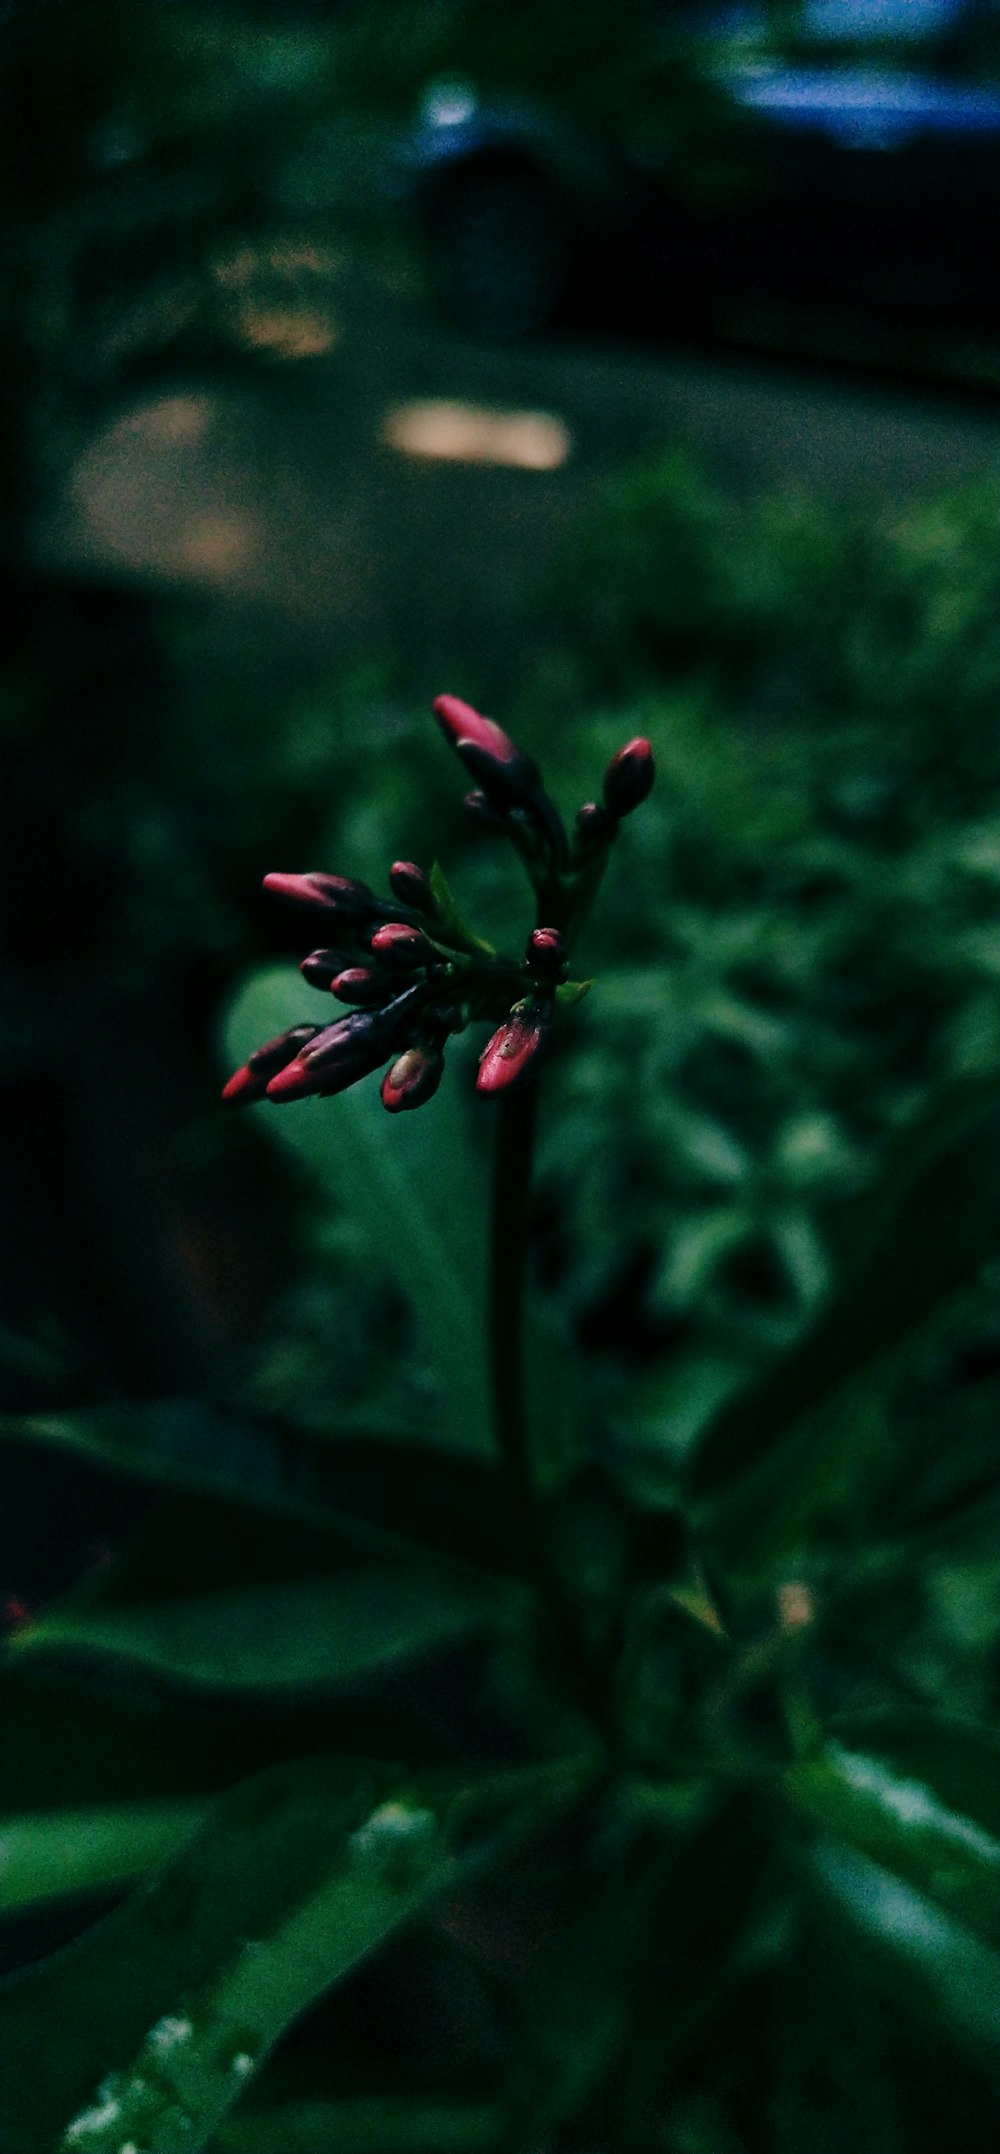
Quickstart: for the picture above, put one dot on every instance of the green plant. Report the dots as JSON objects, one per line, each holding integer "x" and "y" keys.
{"x": 609, "y": 1766}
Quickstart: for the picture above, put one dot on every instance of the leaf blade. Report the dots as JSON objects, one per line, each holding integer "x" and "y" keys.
{"x": 414, "y": 1188}
{"x": 47, "y": 1854}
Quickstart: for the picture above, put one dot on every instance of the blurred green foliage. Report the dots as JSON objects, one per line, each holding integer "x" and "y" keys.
{"x": 292, "y": 1770}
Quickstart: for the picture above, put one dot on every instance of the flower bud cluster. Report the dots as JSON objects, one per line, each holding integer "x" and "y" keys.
{"x": 412, "y": 973}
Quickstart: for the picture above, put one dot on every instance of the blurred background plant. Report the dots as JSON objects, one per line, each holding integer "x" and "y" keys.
{"x": 792, "y": 1038}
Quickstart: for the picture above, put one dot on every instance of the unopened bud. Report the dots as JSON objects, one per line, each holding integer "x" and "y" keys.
{"x": 275, "y": 1053}
{"x": 480, "y": 811}
{"x": 333, "y": 1058}
{"x": 358, "y": 983}
{"x": 517, "y": 1046}
{"x": 594, "y": 828}
{"x": 337, "y": 895}
{"x": 413, "y": 1078}
{"x": 303, "y": 1080}
{"x": 321, "y": 967}
{"x": 628, "y": 779}
{"x": 466, "y": 728}
{"x": 401, "y": 946}
{"x": 250, "y": 1082}
{"x": 411, "y": 886}
{"x": 545, "y": 955}
{"x": 505, "y": 774}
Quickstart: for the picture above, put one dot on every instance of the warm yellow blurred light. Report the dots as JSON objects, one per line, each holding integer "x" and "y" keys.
{"x": 473, "y": 434}
{"x": 796, "y": 1607}
{"x": 172, "y": 422}
{"x": 286, "y": 258}
{"x": 218, "y": 544}
{"x": 286, "y": 333}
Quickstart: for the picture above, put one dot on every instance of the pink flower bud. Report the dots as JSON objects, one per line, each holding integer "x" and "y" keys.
{"x": 629, "y": 778}
{"x": 517, "y": 1046}
{"x": 321, "y": 967}
{"x": 410, "y": 885}
{"x": 243, "y": 1088}
{"x": 337, "y": 895}
{"x": 505, "y": 774}
{"x": 413, "y": 1078}
{"x": 401, "y": 946}
{"x": 302, "y": 1080}
{"x": 464, "y": 727}
{"x": 336, "y": 1056}
{"x": 358, "y": 983}
{"x": 478, "y": 808}
{"x": 250, "y": 1082}
{"x": 545, "y": 954}
{"x": 594, "y": 827}
{"x": 275, "y": 1053}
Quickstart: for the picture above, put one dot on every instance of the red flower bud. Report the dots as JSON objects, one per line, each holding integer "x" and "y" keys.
{"x": 464, "y": 727}
{"x": 478, "y": 808}
{"x": 506, "y": 775}
{"x": 629, "y": 778}
{"x": 517, "y": 1046}
{"x": 358, "y": 983}
{"x": 401, "y": 946}
{"x": 337, "y": 895}
{"x": 411, "y": 886}
{"x": 413, "y": 1078}
{"x": 545, "y": 954}
{"x": 275, "y": 1053}
{"x": 342, "y": 1052}
{"x": 337, "y": 1055}
{"x": 302, "y": 1080}
{"x": 321, "y": 967}
{"x": 243, "y": 1088}
{"x": 250, "y": 1082}
{"x": 594, "y": 827}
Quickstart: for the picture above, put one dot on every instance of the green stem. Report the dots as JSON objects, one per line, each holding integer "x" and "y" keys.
{"x": 512, "y": 1166}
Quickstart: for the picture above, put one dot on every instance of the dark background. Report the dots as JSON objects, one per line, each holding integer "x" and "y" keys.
{"x": 235, "y": 576}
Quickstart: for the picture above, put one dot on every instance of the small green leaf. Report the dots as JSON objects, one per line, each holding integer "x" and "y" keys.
{"x": 49, "y": 1853}
{"x": 458, "y": 930}
{"x": 573, "y": 991}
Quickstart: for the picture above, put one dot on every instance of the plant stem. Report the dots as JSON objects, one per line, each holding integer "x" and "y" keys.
{"x": 512, "y": 1166}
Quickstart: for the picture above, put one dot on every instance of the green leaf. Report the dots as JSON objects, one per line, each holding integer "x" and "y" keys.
{"x": 958, "y": 1759}
{"x": 50, "y": 1853}
{"x": 94, "y": 1741}
{"x": 149, "y": 2027}
{"x": 570, "y": 992}
{"x": 363, "y": 2126}
{"x": 902, "y": 1824}
{"x": 927, "y": 1229}
{"x": 215, "y": 1595}
{"x": 939, "y": 1970}
{"x": 458, "y": 930}
{"x": 412, "y": 1186}
{"x": 417, "y": 1491}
